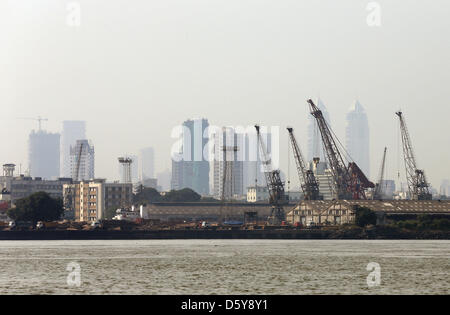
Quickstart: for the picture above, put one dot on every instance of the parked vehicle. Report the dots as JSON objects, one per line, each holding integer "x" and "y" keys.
{"x": 46, "y": 225}
{"x": 20, "y": 225}
{"x": 96, "y": 224}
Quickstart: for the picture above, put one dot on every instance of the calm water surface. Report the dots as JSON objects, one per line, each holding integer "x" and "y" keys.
{"x": 224, "y": 267}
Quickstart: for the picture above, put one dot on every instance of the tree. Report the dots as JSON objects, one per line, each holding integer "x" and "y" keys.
{"x": 37, "y": 207}
{"x": 146, "y": 195}
{"x": 364, "y": 216}
{"x": 183, "y": 195}
{"x": 110, "y": 213}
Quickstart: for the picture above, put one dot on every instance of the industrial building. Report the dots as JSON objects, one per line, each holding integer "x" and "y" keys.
{"x": 89, "y": 200}
{"x": 261, "y": 194}
{"x": 23, "y": 186}
{"x": 213, "y": 211}
{"x": 337, "y": 212}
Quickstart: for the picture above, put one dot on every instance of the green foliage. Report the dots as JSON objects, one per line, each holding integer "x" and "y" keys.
{"x": 110, "y": 213}
{"x": 209, "y": 199}
{"x": 364, "y": 216}
{"x": 37, "y": 207}
{"x": 183, "y": 195}
{"x": 146, "y": 195}
{"x": 425, "y": 222}
{"x": 149, "y": 195}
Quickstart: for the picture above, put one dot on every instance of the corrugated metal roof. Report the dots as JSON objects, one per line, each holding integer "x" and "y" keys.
{"x": 389, "y": 206}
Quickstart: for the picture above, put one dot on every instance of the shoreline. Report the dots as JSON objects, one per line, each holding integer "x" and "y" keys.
{"x": 345, "y": 234}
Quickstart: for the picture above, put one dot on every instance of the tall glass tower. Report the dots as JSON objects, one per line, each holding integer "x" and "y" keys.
{"x": 357, "y": 137}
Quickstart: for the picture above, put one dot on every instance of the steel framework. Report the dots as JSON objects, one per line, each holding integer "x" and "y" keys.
{"x": 417, "y": 183}
{"x": 308, "y": 182}
{"x": 275, "y": 186}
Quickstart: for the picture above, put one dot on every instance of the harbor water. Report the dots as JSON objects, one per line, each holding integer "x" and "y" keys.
{"x": 225, "y": 267}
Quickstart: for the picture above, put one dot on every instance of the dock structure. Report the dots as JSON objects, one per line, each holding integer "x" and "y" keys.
{"x": 342, "y": 211}
{"x": 333, "y": 211}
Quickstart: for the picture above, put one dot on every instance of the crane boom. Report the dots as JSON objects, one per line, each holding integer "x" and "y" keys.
{"x": 417, "y": 183}
{"x": 274, "y": 184}
{"x": 308, "y": 181}
{"x": 77, "y": 169}
{"x": 378, "y": 193}
{"x": 341, "y": 176}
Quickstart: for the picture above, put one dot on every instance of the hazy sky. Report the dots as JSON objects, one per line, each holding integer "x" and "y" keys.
{"x": 135, "y": 69}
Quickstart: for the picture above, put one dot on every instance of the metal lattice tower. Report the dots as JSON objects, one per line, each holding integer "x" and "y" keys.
{"x": 227, "y": 178}
{"x": 274, "y": 185}
{"x": 341, "y": 176}
{"x": 378, "y": 193}
{"x": 307, "y": 179}
{"x": 126, "y": 169}
{"x": 417, "y": 183}
{"x": 349, "y": 182}
{"x": 8, "y": 169}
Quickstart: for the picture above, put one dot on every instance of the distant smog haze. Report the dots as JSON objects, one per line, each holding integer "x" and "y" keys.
{"x": 134, "y": 71}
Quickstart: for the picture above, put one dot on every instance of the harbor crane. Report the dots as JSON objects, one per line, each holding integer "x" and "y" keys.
{"x": 77, "y": 169}
{"x": 417, "y": 183}
{"x": 378, "y": 192}
{"x": 275, "y": 186}
{"x": 39, "y": 119}
{"x": 349, "y": 182}
{"x": 308, "y": 182}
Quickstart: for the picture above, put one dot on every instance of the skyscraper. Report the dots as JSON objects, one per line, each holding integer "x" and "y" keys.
{"x": 43, "y": 154}
{"x": 73, "y": 130}
{"x": 86, "y": 168}
{"x": 146, "y": 163}
{"x": 315, "y": 147}
{"x": 191, "y": 169}
{"x": 357, "y": 137}
{"x": 164, "y": 179}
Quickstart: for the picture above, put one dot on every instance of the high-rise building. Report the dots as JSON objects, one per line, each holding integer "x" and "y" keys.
{"x": 388, "y": 188}
{"x": 228, "y": 162}
{"x": 324, "y": 178}
{"x": 43, "y": 154}
{"x": 146, "y": 163}
{"x": 191, "y": 169}
{"x": 72, "y": 131}
{"x": 444, "y": 189}
{"x": 315, "y": 147}
{"x": 357, "y": 137}
{"x": 164, "y": 179}
{"x": 84, "y": 151}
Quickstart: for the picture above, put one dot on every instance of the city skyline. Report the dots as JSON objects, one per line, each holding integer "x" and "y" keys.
{"x": 259, "y": 70}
